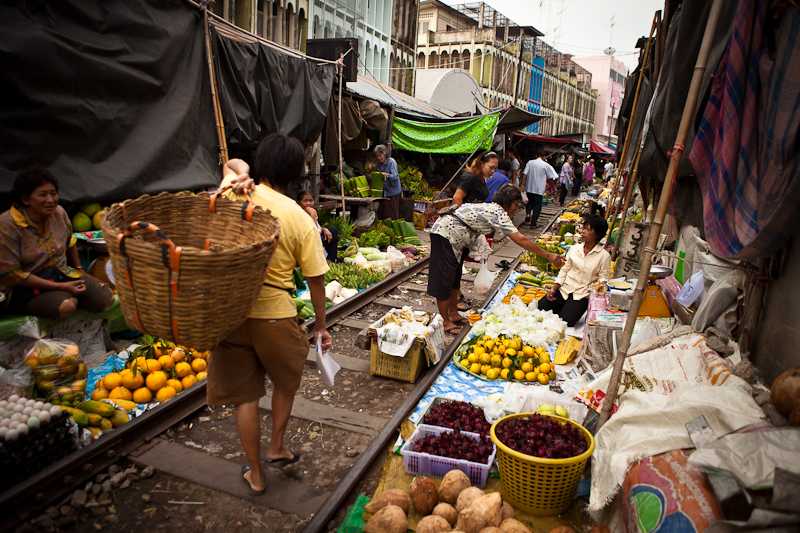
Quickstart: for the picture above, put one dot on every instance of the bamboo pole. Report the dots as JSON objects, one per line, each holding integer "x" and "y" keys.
{"x": 223, "y": 143}
{"x": 689, "y": 111}
{"x": 340, "y": 68}
{"x": 628, "y": 196}
{"x": 631, "y": 120}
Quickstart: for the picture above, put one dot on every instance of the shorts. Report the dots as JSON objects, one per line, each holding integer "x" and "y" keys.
{"x": 260, "y": 347}
{"x": 444, "y": 274}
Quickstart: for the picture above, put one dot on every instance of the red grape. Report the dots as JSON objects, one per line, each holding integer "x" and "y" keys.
{"x": 454, "y": 414}
{"x": 542, "y": 436}
{"x": 455, "y": 445}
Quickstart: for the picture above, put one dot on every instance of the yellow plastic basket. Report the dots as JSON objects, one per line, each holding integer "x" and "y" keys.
{"x": 539, "y": 486}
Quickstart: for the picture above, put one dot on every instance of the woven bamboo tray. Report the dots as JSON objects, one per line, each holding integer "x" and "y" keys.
{"x": 188, "y": 267}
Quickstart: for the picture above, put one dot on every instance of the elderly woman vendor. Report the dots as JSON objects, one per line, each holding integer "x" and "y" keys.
{"x": 35, "y": 242}
{"x": 455, "y": 234}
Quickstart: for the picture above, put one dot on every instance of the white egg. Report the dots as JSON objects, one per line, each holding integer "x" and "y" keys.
{"x": 23, "y": 429}
{"x": 13, "y": 398}
{"x": 3, "y": 433}
{"x": 44, "y": 416}
{"x": 55, "y": 411}
{"x": 12, "y": 435}
{"x": 28, "y": 410}
{"x": 3, "y": 403}
{"x": 18, "y": 417}
{"x": 33, "y": 422}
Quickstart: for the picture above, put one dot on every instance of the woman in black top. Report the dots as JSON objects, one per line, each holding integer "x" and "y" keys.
{"x": 472, "y": 187}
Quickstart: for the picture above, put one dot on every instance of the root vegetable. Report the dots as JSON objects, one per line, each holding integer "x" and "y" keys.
{"x": 390, "y": 519}
{"x": 507, "y": 511}
{"x": 511, "y": 525}
{"x": 424, "y": 495}
{"x": 490, "y": 529}
{"x": 466, "y": 497}
{"x": 446, "y": 511}
{"x": 396, "y": 497}
{"x": 785, "y": 394}
{"x": 452, "y": 484}
{"x": 432, "y": 524}
{"x": 483, "y": 512}
{"x": 562, "y": 529}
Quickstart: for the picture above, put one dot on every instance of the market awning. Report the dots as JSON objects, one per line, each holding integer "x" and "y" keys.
{"x": 515, "y": 118}
{"x": 453, "y": 137}
{"x": 403, "y": 103}
{"x": 543, "y": 139}
{"x": 601, "y": 149}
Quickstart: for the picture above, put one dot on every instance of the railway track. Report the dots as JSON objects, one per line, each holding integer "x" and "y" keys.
{"x": 339, "y": 431}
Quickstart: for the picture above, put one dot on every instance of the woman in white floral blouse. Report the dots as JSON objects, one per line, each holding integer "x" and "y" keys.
{"x": 456, "y": 235}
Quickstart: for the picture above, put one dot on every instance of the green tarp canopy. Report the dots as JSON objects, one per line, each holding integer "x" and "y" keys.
{"x": 455, "y": 137}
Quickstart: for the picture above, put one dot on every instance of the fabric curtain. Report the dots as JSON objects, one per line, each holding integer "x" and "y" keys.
{"x": 460, "y": 137}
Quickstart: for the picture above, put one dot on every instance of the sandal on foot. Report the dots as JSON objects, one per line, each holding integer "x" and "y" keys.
{"x": 282, "y": 462}
{"x": 245, "y": 470}
{"x": 453, "y": 330}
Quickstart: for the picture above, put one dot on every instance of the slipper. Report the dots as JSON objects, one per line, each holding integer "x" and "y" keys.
{"x": 453, "y": 330}
{"x": 460, "y": 320}
{"x": 463, "y": 306}
{"x": 283, "y": 462}
{"x": 246, "y": 469}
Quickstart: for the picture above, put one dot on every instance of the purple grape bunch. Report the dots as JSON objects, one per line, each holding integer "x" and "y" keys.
{"x": 456, "y": 445}
{"x": 454, "y": 414}
{"x": 542, "y": 436}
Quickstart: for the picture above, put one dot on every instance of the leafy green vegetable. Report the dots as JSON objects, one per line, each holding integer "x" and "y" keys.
{"x": 341, "y": 224}
{"x": 374, "y": 238}
{"x": 412, "y": 180}
{"x": 352, "y": 276}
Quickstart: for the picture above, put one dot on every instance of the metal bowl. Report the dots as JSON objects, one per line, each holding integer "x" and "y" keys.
{"x": 660, "y": 271}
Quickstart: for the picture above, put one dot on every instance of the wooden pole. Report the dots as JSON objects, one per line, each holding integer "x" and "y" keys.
{"x": 689, "y": 111}
{"x": 223, "y": 143}
{"x": 340, "y": 69}
{"x": 631, "y": 120}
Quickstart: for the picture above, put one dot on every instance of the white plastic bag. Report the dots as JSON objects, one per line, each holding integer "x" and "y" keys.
{"x": 328, "y": 366}
{"x": 396, "y": 258}
{"x": 484, "y": 279}
{"x": 693, "y": 289}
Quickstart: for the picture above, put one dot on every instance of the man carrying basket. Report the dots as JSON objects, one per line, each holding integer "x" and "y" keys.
{"x": 271, "y": 343}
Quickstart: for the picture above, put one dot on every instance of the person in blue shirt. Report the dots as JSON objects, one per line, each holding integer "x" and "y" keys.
{"x": 500, "y": 177}
{"x": 392, "y": 190}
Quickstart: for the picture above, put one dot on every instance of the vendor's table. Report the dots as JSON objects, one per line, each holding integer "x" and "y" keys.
{"x": 372, "y": 202}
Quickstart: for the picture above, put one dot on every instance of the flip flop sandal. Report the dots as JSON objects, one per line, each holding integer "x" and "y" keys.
{"x": 283, "y": 462}
{"x": 246, "y": 469}
{"x": 454, "y": 330}
{"x": 460, "y": 320}
{"x": 463, "y": 306}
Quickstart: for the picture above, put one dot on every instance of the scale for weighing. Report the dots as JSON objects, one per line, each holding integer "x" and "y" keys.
{"x": 654, "y": 304}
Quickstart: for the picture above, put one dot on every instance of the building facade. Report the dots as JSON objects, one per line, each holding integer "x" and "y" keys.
{"x": 368, "y": 20}
{"x": 535, "y": 95}
{"x": 282, "y": 21}
{"x": 608, "y": 78}
{"x": 404, "y": 45}
{"x": 567, "y": 94}
{"x": 477, "y": 38}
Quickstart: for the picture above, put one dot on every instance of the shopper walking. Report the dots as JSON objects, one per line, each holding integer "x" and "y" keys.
{"x": 392, "y": 189}
{"x": 515, "y": 167}
{"x": 565, "y": 180}
{"x": 608, "y": 171}
{"x": 534, "y": 180}
{"x": 588, "y": 172}
{"x": 271, "y": 342}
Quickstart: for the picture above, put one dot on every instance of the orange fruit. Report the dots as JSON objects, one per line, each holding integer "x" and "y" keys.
{"x": 99, "y": 393}
{"x": 140, "y": 363}
{"x": 178, "y": 355}
{"x": 142, "y": 395}
{"x": 165, "y": 393}
{"x": 156, "y": 380}
{"x": 182, "y": 369}
{"x": 120, "y": 393}
{"x": 166, "y": 362}
{"x": 200, "y": 355}
{"x": 199, "y": 365}
{"x": 544, "y": 379}
{"x": 530, "y": 376}
{"x": 152, "y": 365}
{"x": 130, "y": 380}
{"x": 201, "y": 376}
{"x": 188, "y": 381}
{"x": 519, "y": 375}
{"x": 544, "y": 368}
{"x": 175, "y": 384}
{"x": 111, "y": 381}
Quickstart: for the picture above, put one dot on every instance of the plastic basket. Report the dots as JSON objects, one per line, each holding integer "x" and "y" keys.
{"x": 539, "y": 486}
{"x": 417, "y": 463}
{"x": 405, "y": 368}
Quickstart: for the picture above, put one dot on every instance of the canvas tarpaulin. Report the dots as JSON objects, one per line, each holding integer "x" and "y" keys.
{"x": 459, "y": 137}
{"x": 112, "y": 96}
{"x": 264, "y": 90}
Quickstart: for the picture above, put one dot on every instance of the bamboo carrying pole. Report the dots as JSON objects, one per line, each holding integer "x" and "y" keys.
{"x": 689, "y": 111}
{"x": 340, "y": 68}
{"x": 223, "y": 143}
{"x": 631, "y": 120}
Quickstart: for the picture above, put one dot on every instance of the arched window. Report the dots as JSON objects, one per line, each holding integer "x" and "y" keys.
{"x": 433, "y": 60}
{"x": 444, "y": 60}
{"x": 315, "y": 28}
{"x": 420, "y": 60}
{"x": 465, "y": 59}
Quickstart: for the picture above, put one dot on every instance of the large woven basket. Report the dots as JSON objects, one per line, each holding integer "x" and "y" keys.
{"x": 188, "y": 267}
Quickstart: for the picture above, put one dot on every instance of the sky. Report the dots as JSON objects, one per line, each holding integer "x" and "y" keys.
{"x": 584, "y": 27}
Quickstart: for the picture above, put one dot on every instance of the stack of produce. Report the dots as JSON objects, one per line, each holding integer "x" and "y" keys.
{"x": 59, "y": 373}
{"x": 454, "y": 414}
{"x": 98, "y": 417}
{"x": 353, "y": 276}
{"x": 534, "y": 327}
{"x": 399, "y": 233}
{"x": 453, "y": 505}
{"x": 88, "y": 218}
{"x": 33, "y": 434}
{"x": 411, "y": 179}
{"x": 542, "y": 436}
{"x": 506, "y": 358}
{"x": 157, "y": 370}
{"x": 525, "y": 293}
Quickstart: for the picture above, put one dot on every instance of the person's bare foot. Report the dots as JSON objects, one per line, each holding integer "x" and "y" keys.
{"x": 451, "y": 328}
{"x": 254, "y": 479}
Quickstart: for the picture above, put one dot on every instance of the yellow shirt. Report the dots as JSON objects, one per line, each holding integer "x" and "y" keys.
{"x": 581, "y": 270}
{"x": 299, "y": 244}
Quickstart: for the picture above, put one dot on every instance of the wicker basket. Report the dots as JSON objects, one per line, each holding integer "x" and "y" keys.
{"x": 405, "y": 368}
{"x": 188, "y": 267}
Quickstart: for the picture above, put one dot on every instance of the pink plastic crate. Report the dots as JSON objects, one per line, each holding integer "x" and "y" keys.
{"x": 417, "y": 463}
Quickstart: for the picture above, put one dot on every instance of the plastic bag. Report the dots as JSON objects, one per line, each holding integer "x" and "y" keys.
{"x": 484, "y": 279}
{"x": 396, "y": 258}
{"x": 59, "y": 373}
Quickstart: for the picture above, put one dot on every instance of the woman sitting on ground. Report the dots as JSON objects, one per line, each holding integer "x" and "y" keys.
{"x": 329, "y": 236}
{"x": 35, "y": 243}
{"x": 587, "y": 265}
{"x": 454, "y": 234}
